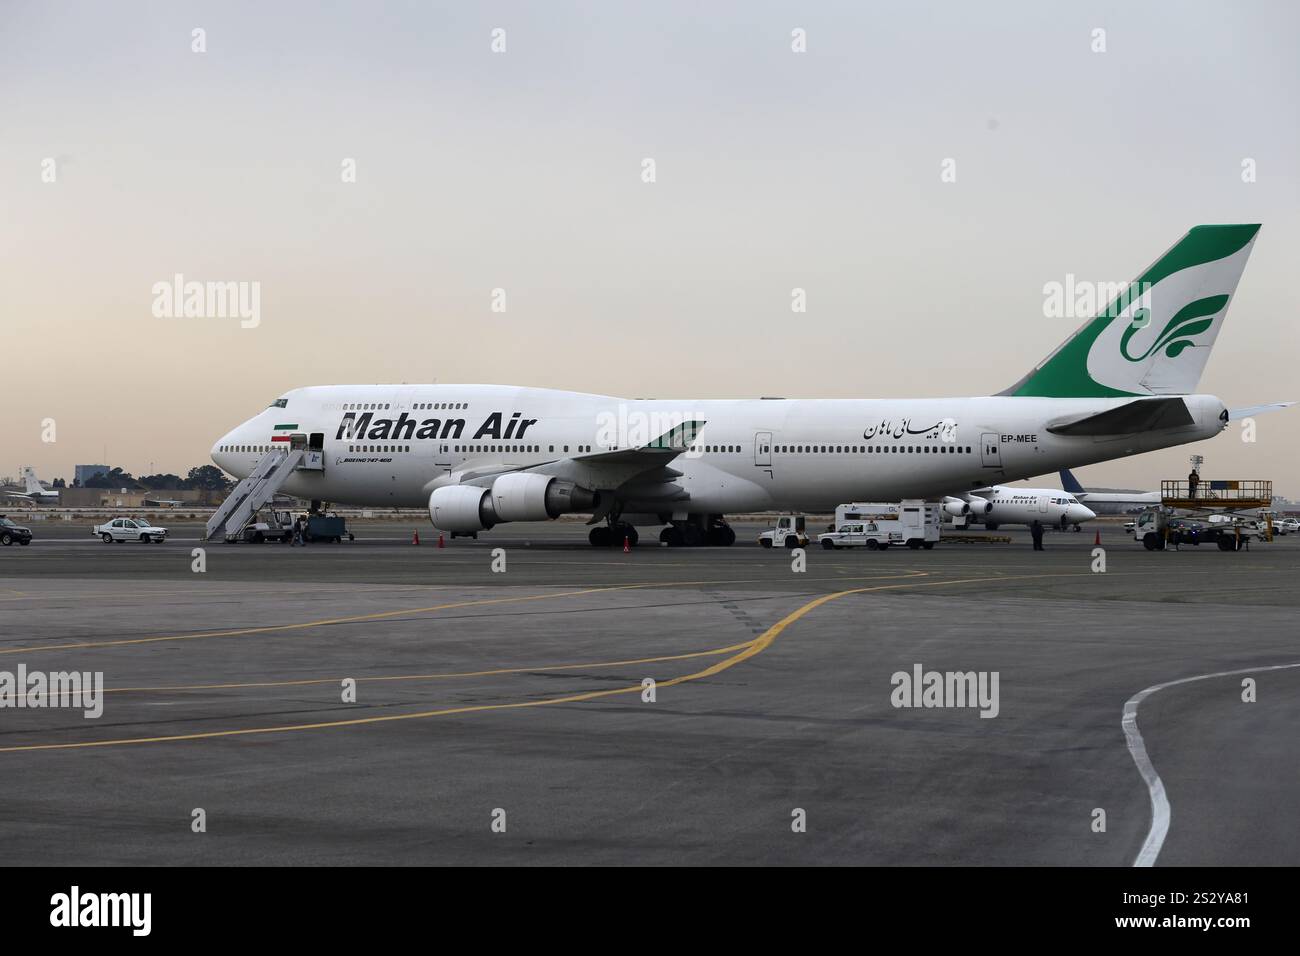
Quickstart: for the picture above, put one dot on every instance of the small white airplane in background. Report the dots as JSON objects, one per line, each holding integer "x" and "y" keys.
{"x": 1110, "y": 502}
{"x": 1000, "y": 505}
{"x": 36, "y": 492}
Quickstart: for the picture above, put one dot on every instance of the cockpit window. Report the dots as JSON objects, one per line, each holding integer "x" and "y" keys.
{"x": 279, "y": 403}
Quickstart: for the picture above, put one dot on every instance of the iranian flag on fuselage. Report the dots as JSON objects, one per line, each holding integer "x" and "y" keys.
{"x": 281, "y": 432}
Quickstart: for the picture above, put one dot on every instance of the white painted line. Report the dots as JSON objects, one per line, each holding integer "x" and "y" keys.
{"x": 1160, "y": 813}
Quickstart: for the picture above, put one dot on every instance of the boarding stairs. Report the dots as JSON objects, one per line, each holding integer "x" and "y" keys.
{"x": 272, "y": 470}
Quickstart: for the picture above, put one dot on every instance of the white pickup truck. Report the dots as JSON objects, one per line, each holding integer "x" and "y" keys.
{"x": 129, "y": 529}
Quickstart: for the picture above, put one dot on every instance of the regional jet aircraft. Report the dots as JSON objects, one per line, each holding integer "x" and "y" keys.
{"x": 1002, "y": 504}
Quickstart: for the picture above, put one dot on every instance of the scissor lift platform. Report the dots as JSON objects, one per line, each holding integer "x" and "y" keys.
{"x": 1214, "y": 494}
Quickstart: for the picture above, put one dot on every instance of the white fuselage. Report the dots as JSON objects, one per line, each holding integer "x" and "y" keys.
{"x": 1048, "y": 506}
{"x": 46, "y": 497}
{"x": 750, "y": 455}
{"x": 1119, "y": 502}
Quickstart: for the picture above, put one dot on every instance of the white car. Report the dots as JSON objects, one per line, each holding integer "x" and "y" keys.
{"x": 864, "y": 534}
{"x": 1290, "y": 524}
{"x": 130, "y": 529}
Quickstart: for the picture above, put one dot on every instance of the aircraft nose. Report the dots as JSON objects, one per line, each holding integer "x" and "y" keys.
{"x": 1079, "y": 513}
{"x": 220, "y": 452}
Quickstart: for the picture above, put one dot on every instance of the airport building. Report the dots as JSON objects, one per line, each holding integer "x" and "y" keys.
{"x": 84, "y": 473}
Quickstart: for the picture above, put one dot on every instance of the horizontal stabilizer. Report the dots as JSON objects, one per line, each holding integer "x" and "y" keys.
{"x": 1237, "y": 414}
{"x": 1143, "y": 415}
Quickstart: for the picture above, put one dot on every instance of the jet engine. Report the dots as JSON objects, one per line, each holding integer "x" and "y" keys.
{"x": 978, "y": 505}
{"x": 461, "y": 508}
{"x": 522, "y": 496}
{"x": 518, "y": 496}
{"x": 956, "y": 507}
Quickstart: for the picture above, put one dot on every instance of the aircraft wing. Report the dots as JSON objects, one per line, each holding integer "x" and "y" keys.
{"x": 643, "y": 469}
{"x": 610, "y": 470}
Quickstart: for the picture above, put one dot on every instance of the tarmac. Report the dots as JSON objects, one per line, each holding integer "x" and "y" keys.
{"x": 374, "y": 702}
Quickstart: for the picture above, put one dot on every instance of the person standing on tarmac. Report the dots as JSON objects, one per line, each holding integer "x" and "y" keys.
{"x": 1036, "y": 532}
{"x": 299, "y": 536}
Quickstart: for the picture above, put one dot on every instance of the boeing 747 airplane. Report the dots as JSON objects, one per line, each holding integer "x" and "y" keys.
{"x": 482, "y": 455}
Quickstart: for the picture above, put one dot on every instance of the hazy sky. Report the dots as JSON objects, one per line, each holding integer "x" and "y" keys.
{"x": 522, "y": 170}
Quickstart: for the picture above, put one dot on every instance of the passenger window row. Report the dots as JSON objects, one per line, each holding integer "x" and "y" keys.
{"x": 943, "y": 449}
{"x": 418, "y": 406}
{"x": 248, "y": 449}
{"x": 491, "y": 448}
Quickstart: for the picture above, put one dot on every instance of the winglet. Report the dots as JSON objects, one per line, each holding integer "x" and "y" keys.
{"x": 678, "y": 438}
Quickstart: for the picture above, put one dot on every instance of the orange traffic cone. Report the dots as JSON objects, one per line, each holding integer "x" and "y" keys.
{"x": 1097, "y": 540}
{"x": 415, "y": 537}
{"x": 441, "y": 543}
{"x": 627, "y": 545}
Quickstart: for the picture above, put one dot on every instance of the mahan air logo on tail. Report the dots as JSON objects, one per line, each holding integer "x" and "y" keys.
{"x": 1155, "y": 338}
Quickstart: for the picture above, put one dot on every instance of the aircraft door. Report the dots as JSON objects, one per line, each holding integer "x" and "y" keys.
{"x": 989, "y": 454}
{"x": 763, "y": 452}
{"x": 443, "y": 460}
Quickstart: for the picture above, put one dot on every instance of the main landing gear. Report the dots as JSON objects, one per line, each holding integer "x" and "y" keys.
{"x": 695, "y": 531}
{"x": 707, "y": 530}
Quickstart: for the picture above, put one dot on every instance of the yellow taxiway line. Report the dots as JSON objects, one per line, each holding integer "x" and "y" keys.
{"x": 747, "y": 650}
